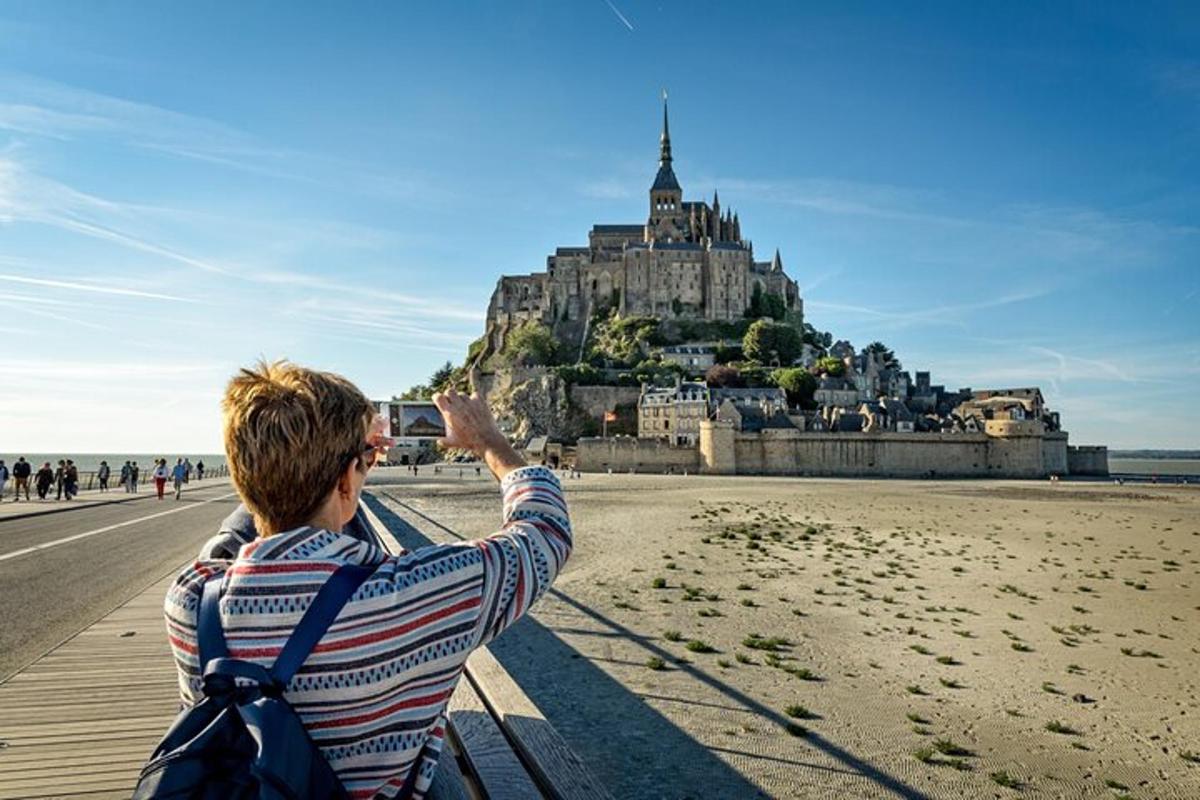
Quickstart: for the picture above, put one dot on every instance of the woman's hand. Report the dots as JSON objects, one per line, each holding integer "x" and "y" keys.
{"x": 469, "y": 422}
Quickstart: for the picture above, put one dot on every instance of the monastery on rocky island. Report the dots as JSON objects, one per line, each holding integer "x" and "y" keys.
{"x": 688, "y": 260}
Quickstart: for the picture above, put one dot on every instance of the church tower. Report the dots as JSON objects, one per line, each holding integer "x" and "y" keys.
{"x": 666, "y": 198}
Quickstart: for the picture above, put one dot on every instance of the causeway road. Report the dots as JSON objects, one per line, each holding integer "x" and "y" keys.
{"x": 62, "y": 571}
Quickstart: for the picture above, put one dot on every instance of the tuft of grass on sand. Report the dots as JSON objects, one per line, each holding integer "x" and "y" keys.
{"x": 1189, "y": 756}
{"x": 770, "y": 644}
{"x": 1002, "y": 778}
{"x": 797, "y": 711}
{"x": 673, "y": 636}
{"x": 947, "y": 747}
{"x": 700, "y": 646}
{"x": 655, "y": 663}
{"x": 915, "y": 689}
{"x": 1054, "y": 726}
{"x": 658, "y": 583}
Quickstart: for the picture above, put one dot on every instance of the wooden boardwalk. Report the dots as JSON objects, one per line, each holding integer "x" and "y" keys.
{"x": 82, "y": 719}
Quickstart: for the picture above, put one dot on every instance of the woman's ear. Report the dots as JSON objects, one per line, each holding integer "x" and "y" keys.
{"x": 345, "y": 484}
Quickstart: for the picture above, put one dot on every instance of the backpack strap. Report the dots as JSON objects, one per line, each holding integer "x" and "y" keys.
{"x": 333, "y": 595}
{"x": 209, "y": 636}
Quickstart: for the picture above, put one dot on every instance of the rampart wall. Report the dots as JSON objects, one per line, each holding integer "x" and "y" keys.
{"x": 1088, "y": 460}
{"x": 863, "y": 455}
{"x": 623, "y": 453}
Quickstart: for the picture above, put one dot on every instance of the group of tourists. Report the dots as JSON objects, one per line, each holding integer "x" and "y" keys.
{"x": 179, "y": 474}
{"x": 65, "y": 478}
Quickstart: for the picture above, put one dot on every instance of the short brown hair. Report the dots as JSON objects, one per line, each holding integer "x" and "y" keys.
{"x": 290, "y": 432}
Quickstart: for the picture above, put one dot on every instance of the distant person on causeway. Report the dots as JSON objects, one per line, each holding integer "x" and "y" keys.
{"x": 20, "y": 472}
{"x": 44, "y": 479}
{"x": 160, "y": 475}
{"x": 373, "y": 692}
{"x": 179, "y": 477}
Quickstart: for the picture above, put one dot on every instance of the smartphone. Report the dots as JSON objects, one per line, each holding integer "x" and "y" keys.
{"x": 421, "y": 420}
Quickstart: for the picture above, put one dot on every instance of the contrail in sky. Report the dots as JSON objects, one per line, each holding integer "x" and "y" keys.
{"x": 84, "y": 287}
{"x": 620, "y": 16}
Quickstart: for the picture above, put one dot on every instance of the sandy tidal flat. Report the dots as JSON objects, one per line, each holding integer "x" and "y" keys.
{"x": 740, "y": 637}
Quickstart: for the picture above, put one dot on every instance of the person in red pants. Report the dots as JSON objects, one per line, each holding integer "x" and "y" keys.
{"x": 160, "y": 476}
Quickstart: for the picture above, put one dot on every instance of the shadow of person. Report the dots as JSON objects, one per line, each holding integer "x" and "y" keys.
{"x": 631, "y": 747}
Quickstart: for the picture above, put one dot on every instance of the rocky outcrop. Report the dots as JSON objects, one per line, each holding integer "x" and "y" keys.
{"x": 538, "y": 405}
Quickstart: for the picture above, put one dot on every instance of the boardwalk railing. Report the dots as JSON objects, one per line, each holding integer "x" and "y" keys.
{"x": 91, "y": 479}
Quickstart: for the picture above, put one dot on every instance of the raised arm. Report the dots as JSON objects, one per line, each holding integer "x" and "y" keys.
{"x": 524, "y": 557}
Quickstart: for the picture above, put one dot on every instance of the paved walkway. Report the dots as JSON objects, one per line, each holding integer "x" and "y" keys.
{"x": 90, "y": 497}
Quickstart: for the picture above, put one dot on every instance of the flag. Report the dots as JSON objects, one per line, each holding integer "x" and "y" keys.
{"x": 610, "y": 416}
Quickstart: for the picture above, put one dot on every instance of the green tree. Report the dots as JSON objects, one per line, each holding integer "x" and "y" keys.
{"x": 772, "y": 343}
{"x": 822, "y": 340}
{"x": 799, "y": 384}
{"x": 441, "y": 377}
{"x": 888, "y": 357}
{"x": 418, "y": 392}
{"x": 532, "y": 344}
{"x": 766, "y": 304}
{"x": 723, "y": 377}
{"x": 831, "y": 365}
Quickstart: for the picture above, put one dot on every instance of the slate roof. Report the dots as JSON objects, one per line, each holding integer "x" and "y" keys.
{"x": 665, "y": 180}
{"x": 749, "y": 395}
{"x": 849, "y": 423}
{"x": 618, "y": 228}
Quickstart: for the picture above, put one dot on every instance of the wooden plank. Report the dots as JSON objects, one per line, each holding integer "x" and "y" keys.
{"x": 449, "y": 783}
{"x": 560, "y": 773}
{"x": 489, "y": 756}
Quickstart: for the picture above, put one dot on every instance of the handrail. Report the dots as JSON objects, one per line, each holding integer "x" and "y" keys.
{"x": 89, "y": 479}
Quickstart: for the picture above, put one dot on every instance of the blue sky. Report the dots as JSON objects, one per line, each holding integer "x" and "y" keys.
{"x": 1004, "y": 195}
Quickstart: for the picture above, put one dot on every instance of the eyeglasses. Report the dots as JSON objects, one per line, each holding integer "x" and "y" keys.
{"x": 368, "y": 455}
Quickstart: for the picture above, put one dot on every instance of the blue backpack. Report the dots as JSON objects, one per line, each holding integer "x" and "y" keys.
{"x": 245, "y": 742}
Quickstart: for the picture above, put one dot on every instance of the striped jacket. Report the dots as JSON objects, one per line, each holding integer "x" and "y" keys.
{"x": 373, "y": 694}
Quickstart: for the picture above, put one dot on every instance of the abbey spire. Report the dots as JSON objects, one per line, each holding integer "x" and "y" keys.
{"x": 666, "y": 196}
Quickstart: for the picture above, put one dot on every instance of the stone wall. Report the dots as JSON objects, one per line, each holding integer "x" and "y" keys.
{"x": 623, "y": 453}
{"x": 724, "y": 451}
{"x": 595, "y": 400}
{"x": 1088, "y": 460}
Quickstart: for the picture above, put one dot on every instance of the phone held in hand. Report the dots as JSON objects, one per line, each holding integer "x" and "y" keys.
{"x": 420, "y": 420}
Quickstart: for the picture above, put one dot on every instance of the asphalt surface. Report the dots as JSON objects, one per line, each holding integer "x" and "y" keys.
{"x": 51, "y": 593}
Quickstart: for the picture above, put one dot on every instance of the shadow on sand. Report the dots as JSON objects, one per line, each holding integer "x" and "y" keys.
{"x": 634, "y": 750}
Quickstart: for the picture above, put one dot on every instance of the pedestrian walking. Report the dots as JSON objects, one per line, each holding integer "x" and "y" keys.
{"x": 60, "y": 475}
{"x": 126, "y": 471}
{"x": 71, "y": 479}
{"x": 199, "y": 471}
{"x": 187, "y": 474}
{"x": 20, "y": 472}
{"x": 179, "y": 476}
{"x": 43, "y": 479}
{"x": 160, "y": 475}
{"x": 102, "y": 475}
{"x": 3, "y": 479}
{"x": 133, "y": 477}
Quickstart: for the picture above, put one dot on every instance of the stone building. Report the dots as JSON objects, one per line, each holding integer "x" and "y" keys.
{"x": 674, "y": 413}
{"x": 688, "y": 260}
